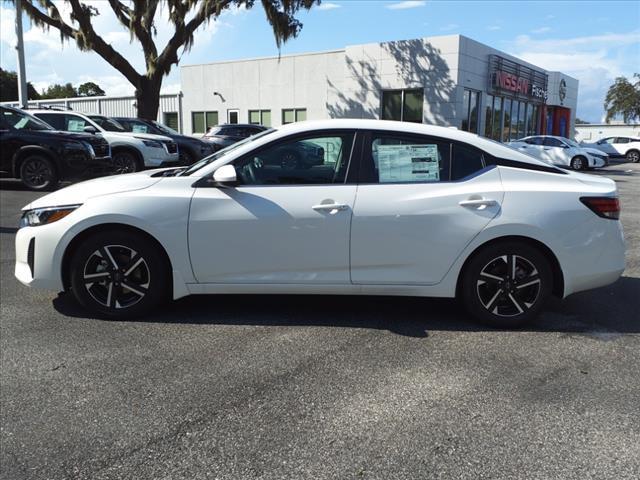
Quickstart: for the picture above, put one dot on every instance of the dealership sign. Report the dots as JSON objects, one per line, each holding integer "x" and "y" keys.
{"x": 508, "y": 77}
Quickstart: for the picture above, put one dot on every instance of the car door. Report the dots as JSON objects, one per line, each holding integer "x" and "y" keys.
{"x": 620, "y": 145}
{"x": 555, "y": 151}
{"x": 531, "y": 146}
{"x": 8, "y": 143}
{"x": 281, "y": 224}
{"x": 420, "y": 201}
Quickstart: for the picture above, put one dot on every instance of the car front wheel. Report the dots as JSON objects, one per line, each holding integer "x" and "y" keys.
{"x": 506, "y": 284}
{"x": 579, "y": 163}
{"x": 125, "y": 162}
{"x": 38, "y": 173}
{"x": 119, "y": 275}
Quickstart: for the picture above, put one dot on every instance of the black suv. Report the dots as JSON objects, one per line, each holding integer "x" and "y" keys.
{"x": 40, "y": 156}
{"x": 222, "y": 136}
{"x": 191, "y": 149}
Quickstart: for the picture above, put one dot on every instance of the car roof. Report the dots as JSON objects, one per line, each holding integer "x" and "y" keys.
{"x": 243, "y": 125}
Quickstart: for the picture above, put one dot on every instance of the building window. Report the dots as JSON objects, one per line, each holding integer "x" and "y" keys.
{"x": 488, "y": 115}
{"x": 290, "y": 115}
{"x": 497, "y": 118}
{"x": 403, "y": 105}
{"x": 470, "y": 104}
{"x": 260, "y": 117}
{"x": 202, "y": 121}
{"x": 170, "y": 119}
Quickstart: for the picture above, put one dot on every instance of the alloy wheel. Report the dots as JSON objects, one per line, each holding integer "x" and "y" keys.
{"x": 633, "y": 156}
{"x": 508, "y": 285}
{"x": 124, "y": 163}
{"x": 116, "y": 276}
{"x": 37, "y": 173}
{"x": 289, "y": 161}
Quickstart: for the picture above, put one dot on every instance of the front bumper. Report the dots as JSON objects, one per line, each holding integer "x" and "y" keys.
{"x": 36, "y": 265}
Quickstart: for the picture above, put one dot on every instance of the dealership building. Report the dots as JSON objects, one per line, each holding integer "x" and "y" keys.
{"x": 446, "y": 80}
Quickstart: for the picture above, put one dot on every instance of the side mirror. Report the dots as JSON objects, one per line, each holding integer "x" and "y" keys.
{"x": 89, "y": 129}
{"x": 225, "y": 176}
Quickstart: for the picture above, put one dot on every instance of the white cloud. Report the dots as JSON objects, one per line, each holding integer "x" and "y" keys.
{"x": 541, "y": 30}
{"x": 494, "y": 27}
{"x": 51, "y": 61}
{"x": 595, "y": 60}
{"x": 406, "y": 4}
{"x": 328, "y": 6}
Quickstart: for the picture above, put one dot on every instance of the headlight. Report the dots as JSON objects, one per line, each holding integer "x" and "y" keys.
{"x": 43, "y": 216}
{"x": 150, "y": 143}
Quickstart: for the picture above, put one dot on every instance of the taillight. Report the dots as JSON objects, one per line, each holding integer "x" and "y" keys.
{"x": 605, "y": 207}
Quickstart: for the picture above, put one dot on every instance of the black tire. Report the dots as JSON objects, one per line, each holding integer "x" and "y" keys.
{"x": 139, "y": 284}
{"x": 493, "y": 295}
{"x": 579, "y": 163}
{"x": 38, "y": 173}
{"x": 632, "y": 156}
{"x": 125, "y": 161}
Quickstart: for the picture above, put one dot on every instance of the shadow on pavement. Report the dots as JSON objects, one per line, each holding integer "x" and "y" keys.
{"x": 611, "y": 309}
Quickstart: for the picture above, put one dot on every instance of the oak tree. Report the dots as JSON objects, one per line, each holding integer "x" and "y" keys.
{"x": 140, "y": 18}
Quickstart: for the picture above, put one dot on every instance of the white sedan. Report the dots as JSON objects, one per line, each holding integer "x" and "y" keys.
{"x": 355, "y": 207}
{"x": 561, "y": 151}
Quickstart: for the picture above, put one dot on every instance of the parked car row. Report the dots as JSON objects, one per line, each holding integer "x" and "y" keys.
{"x": 618, "y": 147}
{"x": 44, "y": 146}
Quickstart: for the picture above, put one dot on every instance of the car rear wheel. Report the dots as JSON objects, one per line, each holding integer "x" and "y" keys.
{"x": 119, "y": 275}
{"x": 290, "y": 160}
{"x": 507, "y": 284}
{"x": 38, "y": 173}
{"x": 186, "y": 158}
{"x": 579, "y": 163}
{"x": 126, "y": 162}
{"x": 633, "y": 156}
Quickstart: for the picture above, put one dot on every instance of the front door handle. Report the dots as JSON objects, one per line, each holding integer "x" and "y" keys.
{"x": 332, "y": 208}
{"x": 478, "y": 203}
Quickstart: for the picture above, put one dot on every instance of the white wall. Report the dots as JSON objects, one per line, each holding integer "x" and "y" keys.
{"x": 594, "y": 132}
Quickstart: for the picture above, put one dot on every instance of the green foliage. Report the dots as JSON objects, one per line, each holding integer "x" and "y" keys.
{"x": 59, "y": 91}
{"x": 9, "y": 87}
{"x": 139, "y": 19}
{"x": 90, "y": 89}
{"x": 579, "y": 121}
{"x": 623, "y": 99}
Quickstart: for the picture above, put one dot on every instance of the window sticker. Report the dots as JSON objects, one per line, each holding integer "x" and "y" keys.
{"x": 408, "y": 163}
{"x": 76, "y": 125}
{"x": 139, "y": 129}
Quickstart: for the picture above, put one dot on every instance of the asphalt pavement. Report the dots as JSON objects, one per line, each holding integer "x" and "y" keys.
{"x": 303, "y": 387}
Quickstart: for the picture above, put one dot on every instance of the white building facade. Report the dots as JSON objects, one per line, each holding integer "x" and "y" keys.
{"x": 446, "y": 80}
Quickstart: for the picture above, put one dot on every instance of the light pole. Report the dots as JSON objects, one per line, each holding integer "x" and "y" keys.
{"x": 23, "y": 97}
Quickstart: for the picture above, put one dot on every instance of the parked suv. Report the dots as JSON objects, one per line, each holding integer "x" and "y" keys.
{"x": 222, "y": 136}
{"x": 627, "y": 147}
{"x": 131, "y": 152}
{"x": 191, "y": 149}
{"x": 561, "y": 151}
{"x": 40, "y": 156}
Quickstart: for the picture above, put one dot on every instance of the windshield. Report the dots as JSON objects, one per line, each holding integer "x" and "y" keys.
{"x": 573, "y": 143}
{"x": 165, "y": 129}
{"x": 108, "y": 124}
{"x": 221, "y": 153}
{"x": 213, "y": 131}
{"x": 23, "y": 121}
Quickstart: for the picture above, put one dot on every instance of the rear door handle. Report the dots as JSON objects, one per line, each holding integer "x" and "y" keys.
{"x": 332, "y": 208}
{"x": 478, "y": 203}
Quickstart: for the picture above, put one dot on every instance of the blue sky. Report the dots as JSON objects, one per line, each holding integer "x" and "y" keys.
{"x": 593, "y": 41}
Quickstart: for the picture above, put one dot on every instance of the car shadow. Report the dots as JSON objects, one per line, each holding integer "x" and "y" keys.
{"x": 603, "y": 313}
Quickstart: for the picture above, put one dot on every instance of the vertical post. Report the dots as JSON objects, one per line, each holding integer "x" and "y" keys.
{"x": 23, "y": 97}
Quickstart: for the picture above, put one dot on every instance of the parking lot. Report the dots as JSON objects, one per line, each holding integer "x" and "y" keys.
{"x": 296, "y": 387}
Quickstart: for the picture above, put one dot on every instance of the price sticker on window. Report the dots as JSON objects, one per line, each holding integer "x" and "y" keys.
{"x": 408, "y": 163}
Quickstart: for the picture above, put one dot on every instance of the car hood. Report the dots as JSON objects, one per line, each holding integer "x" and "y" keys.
{"x": 80, "y": 192}
{"x": 146, "y": 136}
{"x": 593, "y": 151}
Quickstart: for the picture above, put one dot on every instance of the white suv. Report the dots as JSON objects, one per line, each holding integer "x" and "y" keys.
{"x": 130, "y": 151}
{"x": 561, "y": 151}
{"x": 627, "y": 147}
